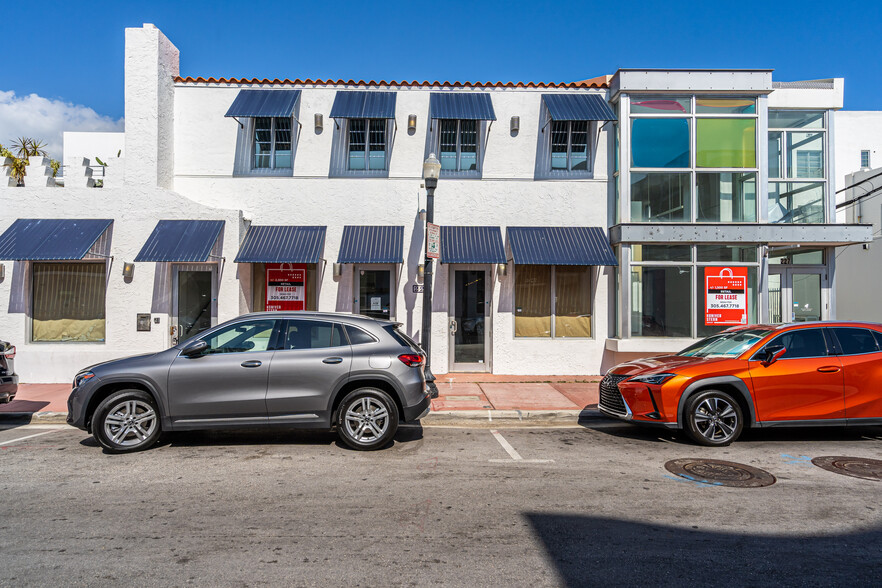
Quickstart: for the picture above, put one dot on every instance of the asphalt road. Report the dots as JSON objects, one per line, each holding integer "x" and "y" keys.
{"x": 592, "y": 505}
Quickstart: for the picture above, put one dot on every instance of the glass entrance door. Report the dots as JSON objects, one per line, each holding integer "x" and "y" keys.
{"x": 194, "y": 301}
{"x": 374, "y": 293}
{"x": 468, "y": 326}
{"x": 797, "y": 295}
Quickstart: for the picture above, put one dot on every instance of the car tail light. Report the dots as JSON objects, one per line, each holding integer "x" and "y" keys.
{"x": 9, "y": 353}
{"x": 411, "y": 359}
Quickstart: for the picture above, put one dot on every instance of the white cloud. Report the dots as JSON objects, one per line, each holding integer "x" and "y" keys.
{"x": 44, "y": 118}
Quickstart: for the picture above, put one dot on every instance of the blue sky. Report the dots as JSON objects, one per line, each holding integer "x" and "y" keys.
{"x": 72, "y": 52}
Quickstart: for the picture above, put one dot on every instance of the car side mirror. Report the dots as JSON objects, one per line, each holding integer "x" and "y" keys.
{"x": 194, "y": 348}
{"x": 773, "y": 353}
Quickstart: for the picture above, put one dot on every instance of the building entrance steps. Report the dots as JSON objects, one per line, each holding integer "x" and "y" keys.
{"x": 526, "y": 399}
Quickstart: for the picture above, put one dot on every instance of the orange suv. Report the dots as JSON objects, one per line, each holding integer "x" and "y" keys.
{"x": 827, "y": 373}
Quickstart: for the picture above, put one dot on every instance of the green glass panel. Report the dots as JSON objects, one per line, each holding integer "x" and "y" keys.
{"x": 726, "y": 142}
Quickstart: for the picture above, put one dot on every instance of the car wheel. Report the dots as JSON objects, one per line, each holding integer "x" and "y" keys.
{"x": 367, "y": 419}
{"x": 713, "y": 418}
{"x": 126, "y": 421}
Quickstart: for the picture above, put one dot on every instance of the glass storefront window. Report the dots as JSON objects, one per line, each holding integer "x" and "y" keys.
{"x": 661, "y": 301}
{"x": 704, "y": 330}
{"x": 533, "y": 301}
{"x": 572, "y": 305}
{"x": 68, "y": 302}
{"x": 726, "y": 142}
{"x": 375, "y": 293}
{"x": 726, "y": 197}
{"x": 727, "y": 253}
{"x": 640, "y": 252}
{"x": 796, "y": 119}
{"x": 660, "y": 142}
{"x": 796, "y": 202}
{"x": 660, "y": 197}
{"x": 725, "y": 106}
{"x": 776, "y": 154}
{"x": 658, "y": 105}
{"x": 805, "y": 155}
{"x": 258, "y": 287}
{"x": 796, "y": 256}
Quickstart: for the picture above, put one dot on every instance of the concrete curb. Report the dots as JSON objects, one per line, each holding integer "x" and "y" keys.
{"x": 440, "y": 418}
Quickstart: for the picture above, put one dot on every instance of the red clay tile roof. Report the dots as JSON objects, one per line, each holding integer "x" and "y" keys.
{"x": 599, "y": 82}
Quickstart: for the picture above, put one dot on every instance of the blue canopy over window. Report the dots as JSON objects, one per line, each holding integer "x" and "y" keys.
{"x": 49, "y": 239}
{"x": 565, "y": 107}
{"x": 363, "y": 104}
{"x": 254, "y": 103}
{"x": 374, "y": 244}
{"x": 461, "y": 106}
{"x": 282, "y": 244}
{"x": 472, "y": 245}
{"x": 560, "y": 246}
{"x": 181, "y": 240}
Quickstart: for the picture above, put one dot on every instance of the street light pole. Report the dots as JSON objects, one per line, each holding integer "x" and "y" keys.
{"x": 431, "y": 171}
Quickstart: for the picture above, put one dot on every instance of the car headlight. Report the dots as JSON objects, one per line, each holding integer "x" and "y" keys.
{"x": 654, "y": 379}
{"x": 82, "y": 377}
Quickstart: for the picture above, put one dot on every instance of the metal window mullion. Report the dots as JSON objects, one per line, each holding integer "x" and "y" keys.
{"x": 272, "y": 143}
{"x": 569, "y": 146}
{"x": 367, "y": 145}
{"x": 458, "y": 145}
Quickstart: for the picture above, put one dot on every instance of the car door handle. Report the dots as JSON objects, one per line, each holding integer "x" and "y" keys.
{"x": 828, "y": 369}
{"x": 251, "y": 363}
{"x": 332, "y": 360}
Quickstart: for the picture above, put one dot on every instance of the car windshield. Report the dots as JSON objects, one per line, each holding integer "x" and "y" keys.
{"x": 725, "y": 344}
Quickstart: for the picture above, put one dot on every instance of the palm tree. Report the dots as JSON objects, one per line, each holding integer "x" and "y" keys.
{"x": 28, "y": 147}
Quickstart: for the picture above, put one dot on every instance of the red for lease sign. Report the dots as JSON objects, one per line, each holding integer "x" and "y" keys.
{"x": 725, "y": 296}
{"x": 285, "y": 286}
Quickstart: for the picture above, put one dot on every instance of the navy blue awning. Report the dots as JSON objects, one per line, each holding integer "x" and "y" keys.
{"x": 472, "y": 245}
{"x": 560, "y": 246}
{"x": 362, "y": 244}
{"x": 181, "y": 240}
{"x": 282, "y": 244}
{"x": 251, "y": 103}
{"x": 49, "y": 239}
{"x": 363, "y": 104}
{"x": 578, "y": 107}
{"x": 461, "y": 105}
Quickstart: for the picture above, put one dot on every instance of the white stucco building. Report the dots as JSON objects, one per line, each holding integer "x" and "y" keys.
{"x": 580, "y": 221}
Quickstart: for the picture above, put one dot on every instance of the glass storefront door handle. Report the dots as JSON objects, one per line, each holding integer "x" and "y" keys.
{"x": 452, "y": 326}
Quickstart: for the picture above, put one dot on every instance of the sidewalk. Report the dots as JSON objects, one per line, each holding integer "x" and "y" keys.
{"x": 463, "y": 399}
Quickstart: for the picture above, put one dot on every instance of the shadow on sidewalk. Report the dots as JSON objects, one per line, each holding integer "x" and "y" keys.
{"x": 30, "y": 406}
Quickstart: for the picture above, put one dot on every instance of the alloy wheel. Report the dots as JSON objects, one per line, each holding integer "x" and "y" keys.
{"x": 366, "y": 420}
{"x": 130, "y": 423}
{"x": 715, "y": 419}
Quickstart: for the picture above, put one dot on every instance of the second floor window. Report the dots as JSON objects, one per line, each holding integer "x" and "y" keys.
{"x": 459, "y": 145}
{"x": 367, "y": 144}
{"x": 569, "y": 145}
{"x": 272, "y": 143}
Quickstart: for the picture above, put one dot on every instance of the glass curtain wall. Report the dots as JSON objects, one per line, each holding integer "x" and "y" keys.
{"x": 797, "y": 174}
{"x": 693, "y": 159}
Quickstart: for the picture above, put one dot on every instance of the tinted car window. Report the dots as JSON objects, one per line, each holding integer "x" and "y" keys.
{"x": 312, "y": 335}
{"x": 878, "y": 336}
{"x": 856, "y": 341}
{"x": 241, "y": 337}
{"x": 358, "y": 337}
{"x": 802, "y": 343}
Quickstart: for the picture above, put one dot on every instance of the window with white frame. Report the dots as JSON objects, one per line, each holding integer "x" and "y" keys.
{"x": 272, "y": 143}
{"x": 552, "y": 301}
{"x": 865, "y": 158}
{"x": 68, "y": 302}
{"x": 366, "y": 147}
{"x": 569, "y": 145}
{"x": 797, "y": 169}
{"x": 458, "y": 147}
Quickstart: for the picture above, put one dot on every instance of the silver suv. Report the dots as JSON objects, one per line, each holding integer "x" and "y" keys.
{"x": 355, "y": 374}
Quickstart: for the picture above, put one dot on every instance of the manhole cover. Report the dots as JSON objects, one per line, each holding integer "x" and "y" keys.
{"x": 856, "y": 467}
{"x": 720, "y": 473}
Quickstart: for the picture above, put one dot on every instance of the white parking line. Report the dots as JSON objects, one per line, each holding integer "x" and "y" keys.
{"x": 3, "y": 443}
{"x": 515, "y": 456}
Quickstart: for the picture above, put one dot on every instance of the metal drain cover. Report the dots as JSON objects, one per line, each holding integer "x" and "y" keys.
{"x": 716, "y": 472}
{"x": 856, "y": 467}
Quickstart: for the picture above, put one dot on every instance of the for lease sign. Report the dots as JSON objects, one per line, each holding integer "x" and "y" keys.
{"x": 285, "y": 286}
{"x": 725, "y": 297}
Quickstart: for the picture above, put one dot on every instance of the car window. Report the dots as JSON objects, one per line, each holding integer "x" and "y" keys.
{"x": 300, "y": 334}
{"x": 241, "y": 337}
{"x": 359, "y": 337}
{"x": 878, "y": 336}
{"x": 855, "y": 341}
{"x": 802, "y": 343}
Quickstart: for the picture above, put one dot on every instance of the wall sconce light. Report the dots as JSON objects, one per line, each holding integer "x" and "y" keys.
{"x": 411, "y": 122}
{"x": 421, "y": 272}
{"x": 515, "y": 124}
{"x": 502, "y": 268}
{"x": 338, "y": 270}
{"x": 2, "y": 271}
{"x": 319, "y": 122}
{"x": 423, "y": 214}
{"x": 128, "y": 270}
